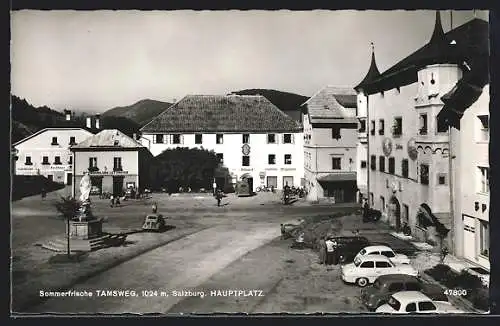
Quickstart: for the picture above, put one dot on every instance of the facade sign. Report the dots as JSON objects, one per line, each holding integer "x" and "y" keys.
{"x": 98, "y": 173}
{"x": 288, "y": 169}
{"x": 246, "y": 169}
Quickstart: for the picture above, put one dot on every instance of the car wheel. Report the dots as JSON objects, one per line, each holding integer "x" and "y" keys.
{"x": 362, "y": 282}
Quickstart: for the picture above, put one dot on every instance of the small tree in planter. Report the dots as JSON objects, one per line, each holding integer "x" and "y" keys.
{"x": 68, "y": 208}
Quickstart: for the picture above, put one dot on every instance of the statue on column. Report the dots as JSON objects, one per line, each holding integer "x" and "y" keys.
{"x": 85, "y": 187}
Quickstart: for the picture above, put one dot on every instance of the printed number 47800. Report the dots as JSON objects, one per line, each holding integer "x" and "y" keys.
{"x": 455, "y": 292}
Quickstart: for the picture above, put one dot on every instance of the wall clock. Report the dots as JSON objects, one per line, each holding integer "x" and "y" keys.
{"x": 245, "y": 149}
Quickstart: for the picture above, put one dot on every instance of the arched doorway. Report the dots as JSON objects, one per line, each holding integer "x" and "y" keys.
{"x": 395, "y": 212}
{"x": 249, "y": 179}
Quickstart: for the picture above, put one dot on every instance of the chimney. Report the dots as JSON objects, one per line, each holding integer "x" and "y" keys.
{"x": 97, "y": 122}
{"x": 89, "y": 122}
{"x": 67, "y": 113}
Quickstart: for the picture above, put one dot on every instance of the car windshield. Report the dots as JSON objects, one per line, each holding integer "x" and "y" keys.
{"x": 357, "y": 262}
{"x": 388, "y": 254}
{"x": 395, "y": 304}
{"x": 362, "y": 252}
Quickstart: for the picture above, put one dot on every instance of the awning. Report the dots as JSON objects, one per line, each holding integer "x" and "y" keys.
{"x": 347, "y": 176}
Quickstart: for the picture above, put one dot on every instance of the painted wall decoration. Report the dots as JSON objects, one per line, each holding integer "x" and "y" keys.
{"x": 412, "y": 149}
{"x": 387, "y": 146}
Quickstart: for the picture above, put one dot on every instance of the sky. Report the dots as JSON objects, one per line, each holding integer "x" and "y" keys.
{"x": 96, "y": 60}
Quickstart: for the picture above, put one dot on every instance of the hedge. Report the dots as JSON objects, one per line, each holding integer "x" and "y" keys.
{"x": 477, "y": 293}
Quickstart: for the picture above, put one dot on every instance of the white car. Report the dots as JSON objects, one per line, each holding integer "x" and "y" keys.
{"x": 384, "y": 251}
{"x": 410, "y": 302}
{"x": 366, "y": 269}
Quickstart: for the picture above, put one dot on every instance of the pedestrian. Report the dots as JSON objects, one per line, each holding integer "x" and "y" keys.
{"x": 218, "y": 196}
{"x": 112, "y": 201}
{"x": 214, "y": 187}
{"x": 322, "y": 251}
{"x": 366, "y": 209}
{"x": 330, "y": 250}
{"x": 117, "y": 200}
{"x": 44, "y": 193}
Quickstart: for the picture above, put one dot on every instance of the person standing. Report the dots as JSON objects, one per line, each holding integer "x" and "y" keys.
{"x": 218, "y": 196}
{"x": 214, "y": 187}
{"x": 330, "y": 250}
{"x": 322, "y": 251}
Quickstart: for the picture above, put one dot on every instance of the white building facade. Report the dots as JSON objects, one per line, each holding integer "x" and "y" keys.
{"x": 422, "y": 172}
{"x": 47, "y": 152}
{"x": 253, "y": 139}
{"x": 330, "y": 145}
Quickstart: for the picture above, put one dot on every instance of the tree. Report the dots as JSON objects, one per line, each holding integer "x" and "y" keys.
{"x": 184, "y": 167}
{"x": 68, "y": 208}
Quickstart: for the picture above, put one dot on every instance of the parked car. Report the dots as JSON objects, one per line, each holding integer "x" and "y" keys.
{"x": 386, "y": 285}
{"x": 384, "y": 251}
{"x": 408, "y": 302}
{"x": 366, "y": 269}
{"x": 346, "y": 248}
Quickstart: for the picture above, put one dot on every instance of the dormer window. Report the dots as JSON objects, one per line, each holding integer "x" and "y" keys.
{"x": 54, "y": 141}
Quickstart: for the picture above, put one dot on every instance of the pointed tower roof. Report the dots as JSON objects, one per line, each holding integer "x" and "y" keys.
{"x": 373, "y": 72}
{"x": 469, "y": 41}
{"x": 438, "y": 34}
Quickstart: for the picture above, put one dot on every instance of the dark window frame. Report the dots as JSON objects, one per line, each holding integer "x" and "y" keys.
{"x": 285, "y": 139}
{"x": 336, "y": 163}
{"x": 117, "y": 163}
{"x": 289, "y": 159}
{"x": 158, "y": 137}
{"x": 198, "y": 139}
{"x": 381, "y": 128}
{"x": 54, "y": 141}
{"x": 176, "y": 139}
{"x": 424, "y": 174}
{"x": 372, "y": 129}
{"x": 271, "y": 159}
{"x": 363, "y": 164}
{"x": 247, "y": 140}
{"x": 397, "y": 128}
{"x": 219, "y": 139}
{"x": 45, "y": 160}
{"x": 273, "y": 137}
{"x": 72, "y": 140}
{"x": 405, "y": 168}
{"x": 245, "y": 160}
{"x": 392, "y": 165}
{"x": 373, "y": 162}
{"x": 381, "y": 163}
{"x": 336, "y": 133}
{"x": 57, "y": 160}
{"x": 27, "y": 160}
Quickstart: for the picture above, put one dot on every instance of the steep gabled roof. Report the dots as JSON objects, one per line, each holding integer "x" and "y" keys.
{"x": 222, "y": 113}
{"x": 463, "y": 43}
{"x": 48, "y": 129}
{"x": 330, "y": 103}
{"x": 108, "y": 138}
